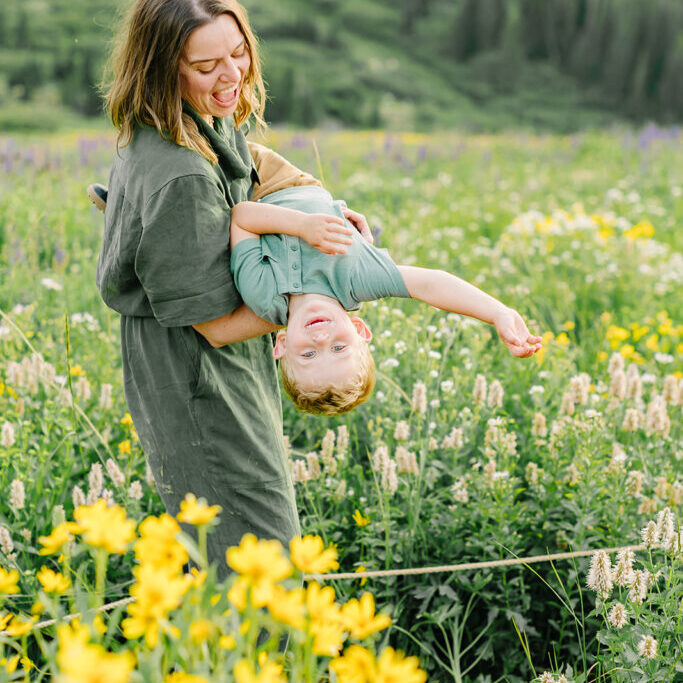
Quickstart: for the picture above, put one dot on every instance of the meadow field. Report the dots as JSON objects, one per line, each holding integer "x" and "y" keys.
{"x": 463, "y": 454}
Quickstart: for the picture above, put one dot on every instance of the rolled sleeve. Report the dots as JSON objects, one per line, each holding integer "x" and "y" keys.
{"x": 183, "y": 258}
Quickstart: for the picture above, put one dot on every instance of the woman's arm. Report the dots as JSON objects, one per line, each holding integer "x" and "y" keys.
{"x": 450, "y": 293}
{"x": 325, "y": 232}
{"x": 240, "y": 325}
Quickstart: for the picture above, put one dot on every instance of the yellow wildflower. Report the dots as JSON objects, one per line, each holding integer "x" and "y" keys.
{"x": 309, "y": 555}
{"x": 53, "y": 582}
{"x": 182, "y": 677}
{"x": 328, "y": 638}
{"x": 603, "y": 355}
{"x": 37, "y": 607}
{"x": 616, "y": 334}
{"x": 652, "y": 342}
{"x": 227, "y": 642}
{"x": 196, "y": 512}
{"x": 8, "y": 581}
{"x": 157, "y": 545}
{"x": 356, "y": 665}
{"x": 259, "y": 560}
{"x": 259, "y": 593}
{"x": 4, "y": 620}
{"x": 320, "y": 603}
{"x": 10, "y": 665}
{"x": 105, "y": 527}
{"x": 201, "y": 630}
{"x": 77, "y": 371}
{"x": 393, "y": 666}
{"x": 60, "y": 535}
{"x": 359, "y": 519}
{"x": 124, "y": 447}
{"x": 642, "y": 230}
{"x": 127, "y": 420}
{"x": 20, "y": 627}
{"x": 156, "y": 593}
{"x": 2, "y": 388}
{"x": 286, "y": 606}
{"x": 26, "y": 663}
{"x": 562, "y": 339}
{"x": 360, "y": 570}
{"x": 569, "y": 325}
{"x": 270, "y": 673}
{"x": 359, "y": 617}
{"x": 627, "y": 350}
{"x": 639, "y": 331}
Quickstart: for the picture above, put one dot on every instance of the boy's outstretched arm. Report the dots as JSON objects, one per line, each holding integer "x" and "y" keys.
{"x": 451, "y": 293}
{"x": 326, "y": 233}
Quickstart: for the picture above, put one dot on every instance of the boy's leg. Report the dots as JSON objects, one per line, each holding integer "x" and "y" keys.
{"x": 98, "y": 195}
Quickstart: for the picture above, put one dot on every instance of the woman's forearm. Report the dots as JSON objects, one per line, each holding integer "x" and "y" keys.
{"x": 450, "y": 293}
{"x": 240, "y": 325}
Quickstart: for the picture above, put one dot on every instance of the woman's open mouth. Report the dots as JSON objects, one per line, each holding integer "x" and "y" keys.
{"x": 227, "y": 97}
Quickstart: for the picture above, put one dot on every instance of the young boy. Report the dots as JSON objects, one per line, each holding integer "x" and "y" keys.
{"x": 297, "y": 262}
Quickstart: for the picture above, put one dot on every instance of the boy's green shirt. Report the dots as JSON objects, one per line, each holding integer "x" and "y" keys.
{"x": 209, "y": 420}
{"x": 268, "y": 268}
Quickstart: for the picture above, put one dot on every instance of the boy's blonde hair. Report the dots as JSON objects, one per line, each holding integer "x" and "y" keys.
{"x": 333, "y": 400}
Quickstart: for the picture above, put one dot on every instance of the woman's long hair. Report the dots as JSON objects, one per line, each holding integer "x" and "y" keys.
{"x": 144, "y": 84}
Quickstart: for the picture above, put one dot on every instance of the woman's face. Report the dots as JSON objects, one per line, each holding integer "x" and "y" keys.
{"x": 213, "y": 66}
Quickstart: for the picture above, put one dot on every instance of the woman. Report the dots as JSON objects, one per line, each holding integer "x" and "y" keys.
{"x": 199, "y": 375}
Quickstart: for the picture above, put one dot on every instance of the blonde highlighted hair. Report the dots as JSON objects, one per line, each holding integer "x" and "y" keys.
{"x": 144, "y": 85}
{"x": 333, "y": 400}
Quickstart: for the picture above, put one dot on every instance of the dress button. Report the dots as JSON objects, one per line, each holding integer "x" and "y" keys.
{"x": 295, "y": 266}
{"x": 292, "y": 247}
{"x": 295, "y": 285}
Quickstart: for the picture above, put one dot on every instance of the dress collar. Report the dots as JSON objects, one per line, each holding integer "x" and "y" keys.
{"x": 229, "y": 144}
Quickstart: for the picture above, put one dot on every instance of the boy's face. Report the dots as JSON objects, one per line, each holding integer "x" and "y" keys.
{"x": 322, "y": 344}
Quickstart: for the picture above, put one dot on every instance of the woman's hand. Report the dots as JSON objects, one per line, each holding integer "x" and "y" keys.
{"x": 326, "y": 233}
{"x": 514, "y": 334}
{"x": 359, "y": 222}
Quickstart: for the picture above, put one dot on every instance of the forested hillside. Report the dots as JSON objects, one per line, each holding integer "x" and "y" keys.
{"x": 557, "y": 64}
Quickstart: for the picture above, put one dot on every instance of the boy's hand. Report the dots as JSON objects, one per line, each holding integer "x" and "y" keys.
{"x": 359, "y": 222}
{"x": 514, "y": 333}
{"x": 326, "y": 233}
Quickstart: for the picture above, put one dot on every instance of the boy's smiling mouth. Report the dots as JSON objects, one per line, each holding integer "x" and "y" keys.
{"x": 317, "y": 322}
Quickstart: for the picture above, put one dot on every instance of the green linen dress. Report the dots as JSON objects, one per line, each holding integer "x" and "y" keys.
{"x": 209, "y": 420}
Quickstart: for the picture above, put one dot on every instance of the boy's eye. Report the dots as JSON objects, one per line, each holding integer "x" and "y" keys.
{"x": 338, "y": 347}
{"x": 308, "y": 354}
{"x": 206, "y": 71}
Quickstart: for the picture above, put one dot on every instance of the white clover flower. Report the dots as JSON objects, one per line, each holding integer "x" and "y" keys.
{"x": 420, "y": 397}
{"x": 537, "y": 390}
{"x": 389, "y": 477}
{"x": 299, "y": 471}
{"x": 567, "y": 405}
{"x": 6, "y": 543}
{"x": 402, "y": 431}
{"x": 135, "y": 490}
{"x": 495, "y": 394}
{"x": 7, "y": 435}
{"x": 480, "y": 389}
{"x": 617, "y": 616}
{"x": 447, "y": 386}
{"x": 105, "y": 401}
{"x": 647, "y": 647}
{"x": 600, "y": 574}
{"x": 434, "y": 354}
{"x": 327, "y": 445}
{"x": 17, "y": 496}
{"x": 313, "y": 464}
{"x": 639, "y": 587}
{"x": 623, "y": 572}
{"x": 453, "y": 439}
{"x": 49, "y": 283}
{"x": 546, "y": 677}
{"x": 459, "y": 491}
{"x": 4, "y": 330}
{"x": 78, "y": 497}
{"x": 663, "y": 358}
{"x": 115, "y": 474}
{"x": 406, "y": 461}
{"x": 390, "y": 363}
